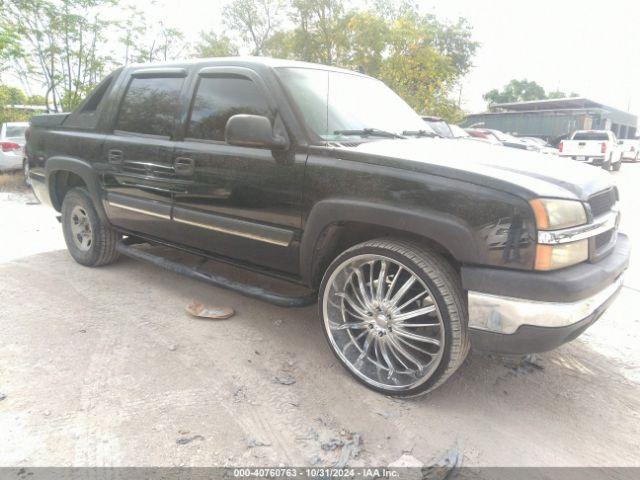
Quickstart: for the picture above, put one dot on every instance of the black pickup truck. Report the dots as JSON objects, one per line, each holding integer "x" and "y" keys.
{"x": 415, "y": 247}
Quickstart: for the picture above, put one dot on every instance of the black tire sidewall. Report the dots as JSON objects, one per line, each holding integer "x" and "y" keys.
{"x": 434, "y": 289}
{"x": 80, "y": 197}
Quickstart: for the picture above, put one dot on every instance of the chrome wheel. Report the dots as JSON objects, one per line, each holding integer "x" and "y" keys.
{"x": 383, "y": 322}
{"x": 81, "y": 228}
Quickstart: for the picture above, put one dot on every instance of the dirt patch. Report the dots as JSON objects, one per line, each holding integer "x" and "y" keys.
{"x": 13, "y": 182}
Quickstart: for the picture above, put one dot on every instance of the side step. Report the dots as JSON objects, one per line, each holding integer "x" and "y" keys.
{"x": 218, "y": 280}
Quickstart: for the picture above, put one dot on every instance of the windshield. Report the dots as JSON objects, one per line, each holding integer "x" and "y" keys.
{"x": 503, "y": 137}
{"x": 595, "y": 135}
{"x": 15, "y": 130}
{"x": 334, "y": 102}
{"x": 458, "y": 132}
{"x": 440, "y": 127}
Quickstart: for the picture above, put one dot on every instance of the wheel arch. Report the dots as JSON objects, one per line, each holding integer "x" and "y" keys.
{"x": 335, "y": 225}
{"x": 64, "y": 173}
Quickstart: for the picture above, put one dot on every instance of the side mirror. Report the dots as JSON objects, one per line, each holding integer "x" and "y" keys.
{"x": 253, "y": 131}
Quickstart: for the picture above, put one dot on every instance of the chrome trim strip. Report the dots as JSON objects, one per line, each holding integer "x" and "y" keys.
{"x": 139, "y": 210}
{"x": 573, "y": 234}
{"x": 232, "y": 232}
{"x": 505, "y": 315}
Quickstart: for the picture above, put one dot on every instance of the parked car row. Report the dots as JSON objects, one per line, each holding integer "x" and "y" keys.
{"x": 596, "y": 147}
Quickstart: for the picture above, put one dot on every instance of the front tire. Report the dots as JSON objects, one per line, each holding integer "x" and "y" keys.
{"x": 90, "y": 241}
{"x": 617, "y": 166}
{"x": 394, "y": 314}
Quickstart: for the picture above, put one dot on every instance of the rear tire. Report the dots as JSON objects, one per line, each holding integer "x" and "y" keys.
{"x": 404, "y": 346}
{"x": 90, "y": 241}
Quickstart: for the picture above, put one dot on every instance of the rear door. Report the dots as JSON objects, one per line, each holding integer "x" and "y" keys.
{"x": 140, "y": 177}
{"x": 240, "y": 202}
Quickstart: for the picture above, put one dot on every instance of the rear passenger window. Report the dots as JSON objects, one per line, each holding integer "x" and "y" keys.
{"x": 150, "y": 106}
{"x": 92, "y": 103}
{"x": 217, "y": 99}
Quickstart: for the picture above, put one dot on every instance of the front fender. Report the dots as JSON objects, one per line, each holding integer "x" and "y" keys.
{"x": 444, "y": 229}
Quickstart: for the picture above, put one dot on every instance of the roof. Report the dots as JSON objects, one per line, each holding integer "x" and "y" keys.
{"x": 246, "y": 61}
{"x": 550, "y": 104}
{"x": 570, "y": 103}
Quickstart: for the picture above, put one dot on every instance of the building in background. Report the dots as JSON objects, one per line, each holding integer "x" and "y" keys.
{"x": 556, "y": 118}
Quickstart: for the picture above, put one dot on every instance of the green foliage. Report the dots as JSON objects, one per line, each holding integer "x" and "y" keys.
{"x": 560, "y": 94}
{"x": 253, "y": 20}
{"x": 60, "y": 44}
{"x": 10, "y": 96}
{"x": 419, "y": 57}
{"x": 522, "y": 91}
{"x": 516, "y": 91}
{"x": 212, "y": 44}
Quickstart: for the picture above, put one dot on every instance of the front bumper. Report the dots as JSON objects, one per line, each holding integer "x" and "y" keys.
{"x": 525, "y": 312}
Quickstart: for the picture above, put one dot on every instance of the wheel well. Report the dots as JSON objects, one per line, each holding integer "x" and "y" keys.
{"x": 338, "y": 237}
{"x": 61, "y": 183}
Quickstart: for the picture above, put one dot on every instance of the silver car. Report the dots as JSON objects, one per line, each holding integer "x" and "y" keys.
{"x": 12, "y": 145}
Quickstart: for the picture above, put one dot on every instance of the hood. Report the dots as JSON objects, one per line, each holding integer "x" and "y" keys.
{"x": 517, "y": 171}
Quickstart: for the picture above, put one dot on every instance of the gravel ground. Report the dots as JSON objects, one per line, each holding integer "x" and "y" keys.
{"x": 103, "y": 367}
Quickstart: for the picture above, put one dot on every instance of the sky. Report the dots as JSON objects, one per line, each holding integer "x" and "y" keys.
{"x": 589, "y": 47}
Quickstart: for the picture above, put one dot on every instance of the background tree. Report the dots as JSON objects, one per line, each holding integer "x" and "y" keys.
{"x": 212, "y": 44}
{"x": 254, "y": 21}
{"x": 64, "y": 45}
{"x": 516, "y": 91}
{"x": 421, "y": 58}
{"x": 9, "y": 97}
{"x": 560, "y": 94}
{"x": 59, "y": 46}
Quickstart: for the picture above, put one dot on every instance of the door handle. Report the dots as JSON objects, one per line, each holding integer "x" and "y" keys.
{"x": 184, "y": 166}
{"x": 115, "y": 156}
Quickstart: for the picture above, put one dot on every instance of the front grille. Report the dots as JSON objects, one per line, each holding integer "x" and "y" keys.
{"x": 602, "y": 202}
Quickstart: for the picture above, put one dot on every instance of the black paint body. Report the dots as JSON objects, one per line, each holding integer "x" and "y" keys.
{"x": 287, "y": 211}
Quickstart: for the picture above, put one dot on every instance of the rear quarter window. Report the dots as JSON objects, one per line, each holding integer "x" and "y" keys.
{"x": 150, "y": 106}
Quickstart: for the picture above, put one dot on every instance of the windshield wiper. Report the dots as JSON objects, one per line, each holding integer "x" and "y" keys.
{"x": 368, "y": 132}
{"x": 421, "y": 133}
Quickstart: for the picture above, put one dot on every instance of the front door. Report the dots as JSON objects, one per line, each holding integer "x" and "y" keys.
{"x": 242, "y": 202}
{"x": 139, "y": 154}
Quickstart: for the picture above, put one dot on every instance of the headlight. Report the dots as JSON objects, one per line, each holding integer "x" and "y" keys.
{"x": 553, "y": 214}
{"x": 553, "y": 257}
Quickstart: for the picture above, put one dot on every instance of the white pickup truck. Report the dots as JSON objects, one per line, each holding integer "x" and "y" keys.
{"x": 597, "y": 147}
{"x": 631, "y": 150}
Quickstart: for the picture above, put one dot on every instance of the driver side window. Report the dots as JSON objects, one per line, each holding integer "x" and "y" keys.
{"x": 219, "y": 98}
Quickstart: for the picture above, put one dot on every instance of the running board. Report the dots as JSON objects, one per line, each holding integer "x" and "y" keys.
{"x": 218, "y": 280}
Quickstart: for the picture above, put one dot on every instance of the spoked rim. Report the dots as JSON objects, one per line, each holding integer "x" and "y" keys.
{"x": 81, "y": 229}
{"x": 383, "y": 322}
